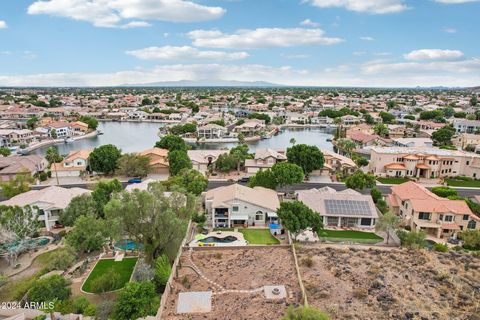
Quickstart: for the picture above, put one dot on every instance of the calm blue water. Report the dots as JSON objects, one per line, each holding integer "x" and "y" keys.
{"x": 138, "y": 136}
{"x": 227, "y": 239}
{"x": 127, "y": 245}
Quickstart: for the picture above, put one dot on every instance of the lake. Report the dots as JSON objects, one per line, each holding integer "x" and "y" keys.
{"x": 138, "y": 136}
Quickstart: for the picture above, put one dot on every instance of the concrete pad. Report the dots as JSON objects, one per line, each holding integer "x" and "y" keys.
{"x": 275, "y": 292}
{"x": 194, "y": 302}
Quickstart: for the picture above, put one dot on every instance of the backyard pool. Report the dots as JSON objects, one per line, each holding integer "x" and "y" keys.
{"x": 27, "y": 244}
{"x": 128, "y": 244}
{"x": 227, "y": 239}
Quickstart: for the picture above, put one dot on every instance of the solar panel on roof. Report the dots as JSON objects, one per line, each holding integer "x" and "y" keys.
{"x": 346, "y": 207}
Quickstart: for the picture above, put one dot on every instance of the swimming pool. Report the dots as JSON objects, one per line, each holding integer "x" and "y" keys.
{"x": 227, "y": 239}
{"x": 26, "y": 244}
{"x": 128, "y": 244}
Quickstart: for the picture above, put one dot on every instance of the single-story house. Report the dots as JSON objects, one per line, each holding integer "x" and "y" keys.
{"x": 237, "y": 205}
{"x": 158, "y": 160}
{"x": 12, "y": 166}
{"x": 342, "y": 209}
{"x": 202, "y": 159}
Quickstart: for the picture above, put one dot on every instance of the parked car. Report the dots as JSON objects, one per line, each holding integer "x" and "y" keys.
{"x": 135, "y": 180}
{"x": 244, "y": 179}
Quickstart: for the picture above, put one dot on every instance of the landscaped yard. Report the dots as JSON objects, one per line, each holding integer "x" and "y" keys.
{"x": 463, "y": 183}
{"x": 393, "y": 180}
{"x": 124, "y": 268}
{"x": 259, "y": 236}
{"x": 350, "y": 235}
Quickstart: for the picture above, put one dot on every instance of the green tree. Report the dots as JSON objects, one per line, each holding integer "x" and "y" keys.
{"x": 49, "y": 289}
{"x": 309, "y": 158}
{"x": 52, "y": 155}
{"x": 134, "y": 165}
{"x": 88, "y": 234}
{"x": 471, "y": 239}
{"x": 240, "y": 154}
{"x": 443, "y": 136}
{"x": 20, "y": 184}
{"x": 360, "y": 181}
{"x": 190, "y": 180}
{"x": 32, "y": 123}
{"x": 296, "y": 216}
{"x": 103, "y": 193}
{"x": 21, "y": 222}
{"x": 90, "y": 121}
{"x": 225, "y": 162}
{"x": 5, "y": 151}
{"x": 79, "y": 206}
{"x": 260, "y": 116}
{"x": 305, "y": 313}
{"x": 108, "y": 281}
{"x": 474, "y": 101}
{"x": 431, "y": 115}
{"x": 105, "y": 159}
{"x": 346, "y": 145}
{"x": 53, "y": 134}
{"x": 136, "y": 300}
{"x": 171, "y": 142}
{"x": 178, "y": 160}
{"x": 388, "y": 222}
{"x": 390, "y": 104}
{"x": 412, "y": 239}
{"x": 146, "y": 102}
{"x": 381, "y": 130}
{"x": 387, "y": 117}
{"x": 376, "y": 194}
{"x": 286, "y": 174}
{"x": 369, "y": 119}
{"x": 293, "y": 141}
{"x": 156, "y": 219}
{"x": 263, "y": 178}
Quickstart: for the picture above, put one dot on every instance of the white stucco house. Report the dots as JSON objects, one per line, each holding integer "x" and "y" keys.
{"x": 237, "y": 205}
{"x": 73, "y": 165}
{"x": 50, "y": 202}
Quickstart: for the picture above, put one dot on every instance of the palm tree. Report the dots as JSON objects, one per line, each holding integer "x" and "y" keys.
{"x": 293, "y": 141}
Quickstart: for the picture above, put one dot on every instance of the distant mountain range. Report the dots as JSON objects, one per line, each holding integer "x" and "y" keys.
{"x": 207, "y": 83}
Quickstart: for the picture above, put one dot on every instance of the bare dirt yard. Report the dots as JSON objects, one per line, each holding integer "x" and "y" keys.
{"x": 391, "y": 284}
{"x": 237, "y": 269}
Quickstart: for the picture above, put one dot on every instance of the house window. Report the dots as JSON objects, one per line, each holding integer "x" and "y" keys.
{"x": 465, "y": 217}
{"x": 424, "y": 216}
{"x": 332, "y": 221}
{"x": 441, "y": 217}
{"x": 471, "y": 224}
{"x": 259, "y": 216}
{"x": 468, "y": 162}
{"x": 235, "y": 208}
{"x": 366, "y": 222}
{"x": 449, "y": 218}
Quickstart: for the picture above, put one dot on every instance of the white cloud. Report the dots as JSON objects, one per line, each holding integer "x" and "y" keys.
{"x": 371, "y": 74}
{"x": 136, "y": 24}
{"x": 113, "y": 13}
{"x": 3, "y": 24}
{"x": 309, "y": 23}
{"x": 455, "y": 1}
{"x": 261, "y": 38}
{"x": 184, "y": 53}
{"x": 367, "y": 38}
{"x": 434, "y": 54}
{"x": 295, "y": 56}
{"x": 359, "y": 53}
{"x": 449, "y": 30}
{"x": 367, "y": 6}
{"x": 382, "y": 54}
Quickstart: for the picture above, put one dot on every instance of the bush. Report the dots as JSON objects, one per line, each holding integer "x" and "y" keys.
{"x": 109, "y": 281}
{"x": 382, "y": 205}
{"x": 43, "y": 176}
{"x": 308, "y": 262}
{"x": 412, "y": 239}
{"x": 163, "y": 269}
{"x": 444, "y": 192}
{"x": 104, "y": 310}
{"x": 305, "y": 313}
{"x": 440, "y": 247}
{"x": 60, "y": 260}
{"x": 49, "y": 289}
{"x": 199, "y": 217}
{"x": 376, "y": 194}
{"x": 471, "y": 239}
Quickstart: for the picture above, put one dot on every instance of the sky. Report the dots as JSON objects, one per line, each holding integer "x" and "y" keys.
{"x": 365, "y": 43}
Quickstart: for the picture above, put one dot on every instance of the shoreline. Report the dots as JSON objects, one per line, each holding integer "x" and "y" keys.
{"x": 42, "y": 144}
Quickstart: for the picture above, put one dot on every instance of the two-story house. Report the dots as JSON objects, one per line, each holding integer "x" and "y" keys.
{"x": 423, "y": 210}
{"x": 158, "y": 160}
{"x": 263, "y": 159}
{"x": 74, "y": 165}
{"x": 211, "y": 131}
{"x": 237, "y": 205}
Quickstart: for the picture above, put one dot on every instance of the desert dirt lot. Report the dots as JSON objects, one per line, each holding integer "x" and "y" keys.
{"x": 237, "y": 269}
{"x": 395, "y": 284}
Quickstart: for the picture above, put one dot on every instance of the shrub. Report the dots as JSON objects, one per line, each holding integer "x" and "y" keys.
{"x": 412, "y": 239}
{"x": 49, "y": 289}
{"x": 80, "y": 304}
{"x": 308, "y": 262}
{"x": 471, "y": 239}
{"x": 302, "y": 313}
{"x": 444, "y": 192}
{"x": 109, "y": 281}
{"x": 186, "y": 282}
{"x": 199, "y": 217}
{"x": 90, "y": 310}
{"x": 61, "y": 260}
{"x": 440, "y": 247}
{"x": 376, "y": 194}
{"x": 104, "y": 310}
{"x": 163, "y": 269}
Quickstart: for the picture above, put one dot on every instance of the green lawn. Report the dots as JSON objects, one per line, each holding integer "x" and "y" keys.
{"x": 124, "y": 268}
{"x": 393, "y": 180}
{"x": 350, "y": 235}
{"x": 259, "y": 236}
{"x": 463, "y": 183}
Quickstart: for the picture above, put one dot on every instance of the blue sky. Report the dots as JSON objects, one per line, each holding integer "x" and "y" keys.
{"x": 310, "y": 42}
